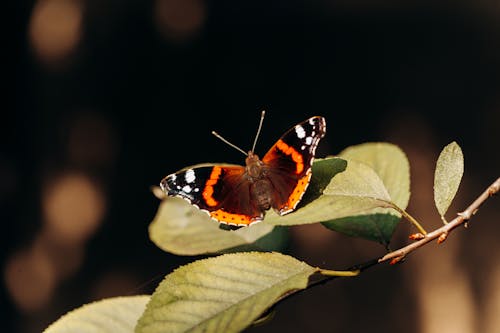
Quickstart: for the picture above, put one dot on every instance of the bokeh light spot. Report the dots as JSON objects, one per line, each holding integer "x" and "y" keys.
{"x": 55, "y": 30}
{"x": 29, "y": 277}
{"x": 73, "y": 207}
{"x": 179, "y": 20}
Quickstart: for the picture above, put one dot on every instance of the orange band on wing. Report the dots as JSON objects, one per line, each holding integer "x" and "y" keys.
{"x": 230, "y": 218}
{"x": 208, "y": 191}
{"x": 294, "y": 154}
{"x": 296, "y": 195}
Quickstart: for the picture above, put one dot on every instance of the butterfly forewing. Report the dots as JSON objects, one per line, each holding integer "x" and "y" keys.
{"x": 289, "y": 162}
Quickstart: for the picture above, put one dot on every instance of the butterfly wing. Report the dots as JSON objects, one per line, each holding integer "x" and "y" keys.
{"x": 289, "y": 162}
{"x": 220, "y": 190}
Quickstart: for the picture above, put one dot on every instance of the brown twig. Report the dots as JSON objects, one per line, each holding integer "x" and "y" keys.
{"x": 442, "y": 233}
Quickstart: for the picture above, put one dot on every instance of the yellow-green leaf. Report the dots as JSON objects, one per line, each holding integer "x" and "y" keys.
{"x": 358, "y": 180}
{"x": 222, "y": 294}
{"x": 447, "y": 177}
{"x": 182, "y": 229}
{"x": 119, "y": 314}
{"x": 391, "y": 165}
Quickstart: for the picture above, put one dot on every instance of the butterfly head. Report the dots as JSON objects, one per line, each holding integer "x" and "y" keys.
{"x": 254, "y": 166}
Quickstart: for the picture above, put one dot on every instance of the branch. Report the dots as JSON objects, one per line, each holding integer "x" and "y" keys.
{"x": 442, "y": 233}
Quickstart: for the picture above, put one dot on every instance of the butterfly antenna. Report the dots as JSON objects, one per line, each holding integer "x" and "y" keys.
{"x": 217, "y": 135}
{"x": 258, "y": 130}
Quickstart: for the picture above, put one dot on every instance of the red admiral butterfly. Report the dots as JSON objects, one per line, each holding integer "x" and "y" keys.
{"x": 240, "y": 195}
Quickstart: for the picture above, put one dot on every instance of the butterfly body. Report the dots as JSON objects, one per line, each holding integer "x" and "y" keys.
{"x": 261, "y": 188}
{"x": 240, "y": 195}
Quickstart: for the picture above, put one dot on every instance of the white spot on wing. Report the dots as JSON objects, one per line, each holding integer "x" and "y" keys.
{"x": 300, "y": 131}
{"x": 309, "y": 140}
{"x": 187, "y": 189}
{"x": 190, "y": 176}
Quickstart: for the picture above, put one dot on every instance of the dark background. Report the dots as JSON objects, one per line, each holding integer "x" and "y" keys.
{"x": 104, "y": 98}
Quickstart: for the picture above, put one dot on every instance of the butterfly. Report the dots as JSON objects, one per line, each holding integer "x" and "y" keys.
{"x": 240, "y": 195}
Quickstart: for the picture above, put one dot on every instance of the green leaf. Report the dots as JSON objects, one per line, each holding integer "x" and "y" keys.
{"x": 119, "y": 314}
{"x": 359, "y": 180}
{"x": 361, "y": 187}
{"x": 222, "y": 294}
{"x": 377, "y": 227}
{"x": 447, "y": 177}
{"x": 323, "y": 170}
{"x": 390, "y": 187}
{"x": 391, "y": 165}
{"x": 182, "y": 229}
